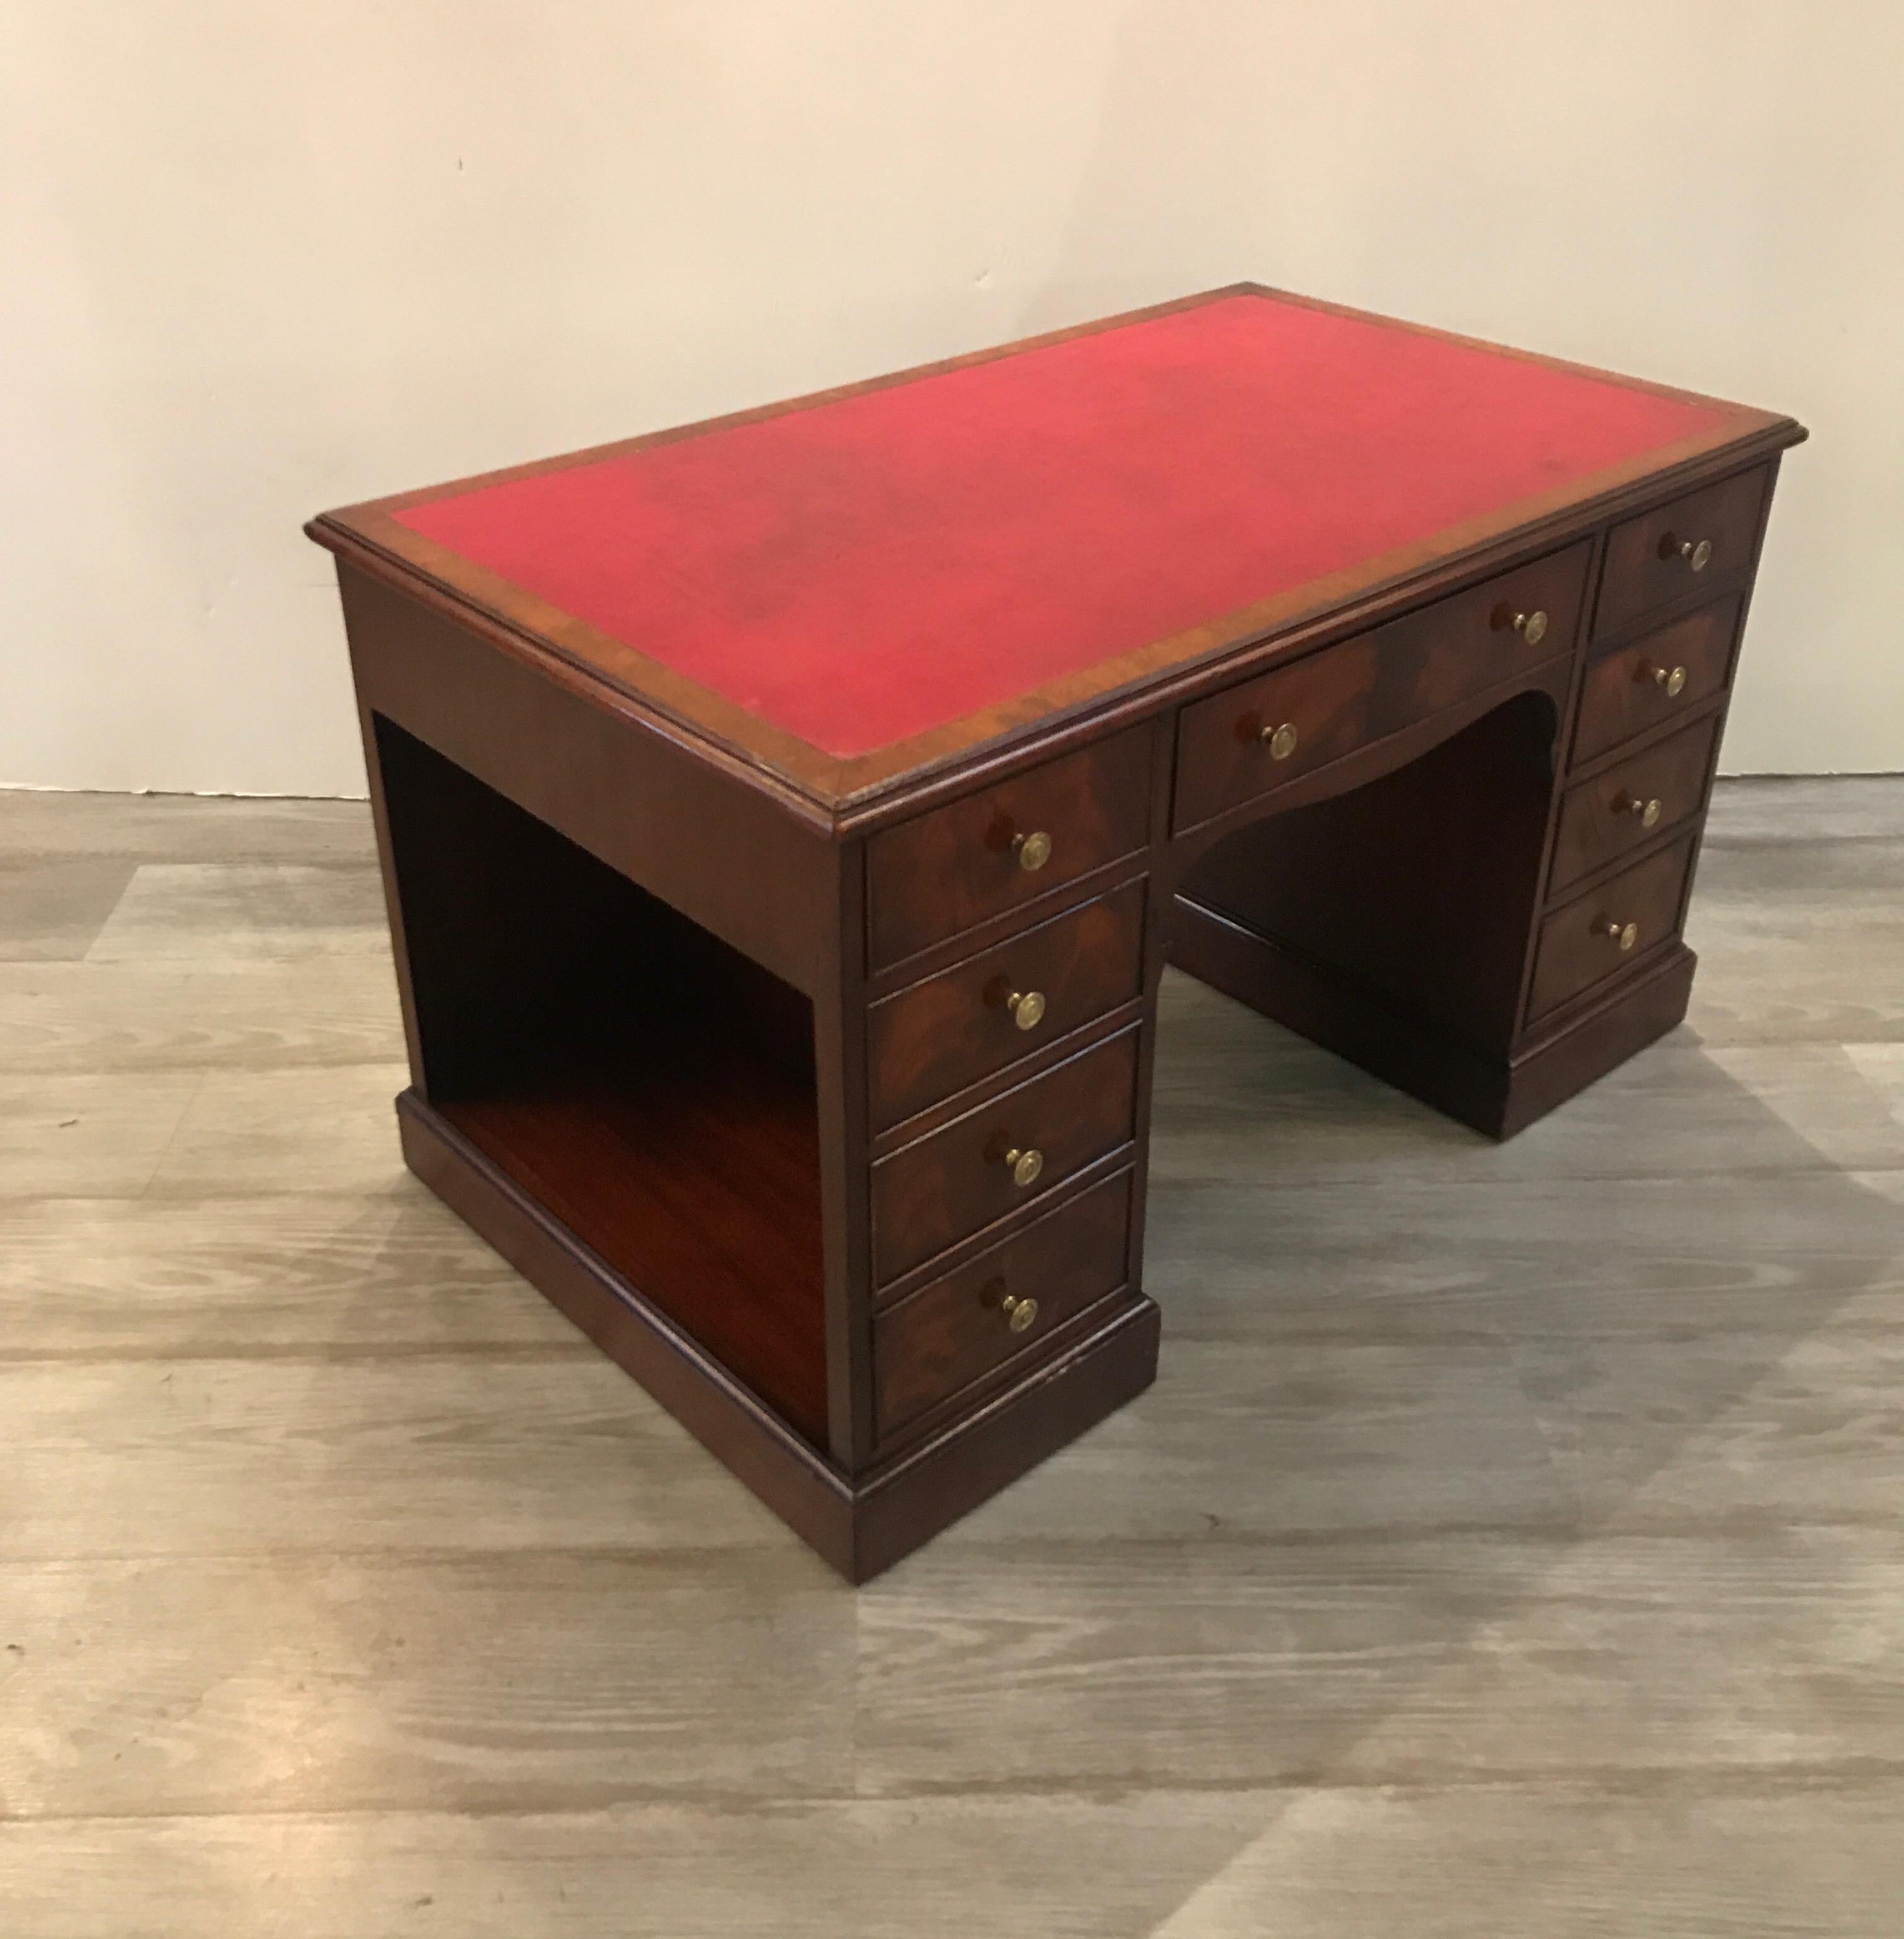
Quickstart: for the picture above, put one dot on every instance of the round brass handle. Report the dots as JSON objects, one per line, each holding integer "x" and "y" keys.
{"x": 1532, "y": 627}
{"x": 1625, "y": 934}
{"x": 1019, "y": 1313}
{"x": 1696, "y": 553}
{"x": 1670, "y": 680}
{"x": 1026, "y": 1008}
{"x": 1023, "y": 1165}
{"x": 1281, "y": 739}
{"x": 1032, "y": 850}
{"x": 1630, "y": 804}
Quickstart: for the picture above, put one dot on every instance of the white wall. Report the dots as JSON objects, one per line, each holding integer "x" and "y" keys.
{"x": 257, "y": 258}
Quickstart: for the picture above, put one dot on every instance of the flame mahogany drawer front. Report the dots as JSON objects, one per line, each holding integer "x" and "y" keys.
{"x": 1661, "y": 675}
{"x": 1600, "y": 820}
{"x": 957, "y": 1180}
{"x": 1248, "y": 739}
{"x": 1601, "y": 933}
{"x": 1005, "y": 1303}
{"x": 984, "y": 1014}
{"x": 1665, "y": 554}
{"x": 943, "y": 871}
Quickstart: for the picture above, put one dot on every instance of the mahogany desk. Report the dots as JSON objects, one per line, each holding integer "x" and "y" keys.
{"x": 785, "y": 820}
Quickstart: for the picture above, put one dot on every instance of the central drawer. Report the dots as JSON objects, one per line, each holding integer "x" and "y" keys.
{"x": 1005, "y": 1155}
{"x": 1252, "y": 738}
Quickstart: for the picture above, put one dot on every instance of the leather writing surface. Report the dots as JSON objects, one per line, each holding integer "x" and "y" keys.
{"x": 875, "y": 565}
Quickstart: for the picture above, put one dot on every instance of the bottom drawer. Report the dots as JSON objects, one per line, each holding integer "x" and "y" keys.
{"x": 1598, "y": 934}
{"x": 1005, "y": 1302}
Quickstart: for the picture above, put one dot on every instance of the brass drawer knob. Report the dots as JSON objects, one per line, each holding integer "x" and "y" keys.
{"x": 1032, "y": 850}
{"x": 1281, "y": 741}
{"x": 1648, "y": 811}
{"x": 1532, "y": 627}
{"x": 1696, "y": 553}
{"x": 1626, "y": 934}
{"x": 1024, "y": 1007}
{"x": 1670, "y": 680}
{"x": 1023, "y": 1165}
{"x": 1019, "y": 1313}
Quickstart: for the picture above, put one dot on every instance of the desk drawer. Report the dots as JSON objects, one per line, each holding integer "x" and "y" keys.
{"x": 1003, "y": 1156}
{"x": 1006, "y": 1302}
{"x": 986, "y": 1012}
{"x": 1598, "y": 935}
{"x": 987, "y": 852}
{"x": 1249, "y": 739}
{"x": 1665, "y": 673}
{"x": 1600, "y": 820}
{"x": 1674, "y": 549}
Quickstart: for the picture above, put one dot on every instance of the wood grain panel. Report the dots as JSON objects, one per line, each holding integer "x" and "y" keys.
{"x": 1627, "y": 691}
{"x": 945, "y": 871}
{"x": 1349, "y": 694}
{"x": 954, "y": 1028}
{"x": 1657, "y": 557}
{"x": 941, "y": 1338}
{"x": 1585, "y": 943}
{"x": 955, "y": 1180}
{"x": 1602, "y": 819}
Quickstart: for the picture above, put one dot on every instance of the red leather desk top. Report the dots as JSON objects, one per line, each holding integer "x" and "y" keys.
{"x": 870, "y": 567}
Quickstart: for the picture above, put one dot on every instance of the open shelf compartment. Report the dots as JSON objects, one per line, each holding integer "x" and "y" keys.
{"x": 648, "y": 1085}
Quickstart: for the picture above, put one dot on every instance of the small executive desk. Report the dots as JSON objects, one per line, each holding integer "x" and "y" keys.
{"x": 785, "y": 821}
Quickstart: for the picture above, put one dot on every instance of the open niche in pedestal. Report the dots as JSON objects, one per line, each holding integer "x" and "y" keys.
{"x": 649, "y": 1086}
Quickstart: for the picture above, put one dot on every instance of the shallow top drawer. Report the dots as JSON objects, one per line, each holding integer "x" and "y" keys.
{"x": 1679, "y": 548}
{"x": 1255, "y": 736}
{"x": 985, "y": 853}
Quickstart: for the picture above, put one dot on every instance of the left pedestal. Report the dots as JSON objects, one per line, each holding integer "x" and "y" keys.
{"x": 631, "y": 992}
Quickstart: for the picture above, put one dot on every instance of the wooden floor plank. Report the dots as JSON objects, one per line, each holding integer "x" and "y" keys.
{"x": 329, "y": 1128}
{"x": 525, "y": 1450}
{"x": 86, "y": 1134}
{"x": 51, "y": 911}
{"x": 223, "y": 913}
{"x": 344, "y": 1274}
{"x": 102, "y": 1017}
{"x": 1560, "y": 1861}
{"x": 1382, "y": 1659}
{"x": 551, "y": 1679}
{"x": 176, "y": 828}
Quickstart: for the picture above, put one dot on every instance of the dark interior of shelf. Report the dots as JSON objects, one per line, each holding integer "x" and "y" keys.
{"x": 1420, "y": 885}
{"x": 647, "y": 1084}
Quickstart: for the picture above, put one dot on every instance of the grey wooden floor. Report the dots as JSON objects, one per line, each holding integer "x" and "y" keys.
{"x": 1511, "y": 1544}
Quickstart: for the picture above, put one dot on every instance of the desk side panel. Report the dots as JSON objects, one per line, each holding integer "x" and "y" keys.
{"x": 733, "y": 860}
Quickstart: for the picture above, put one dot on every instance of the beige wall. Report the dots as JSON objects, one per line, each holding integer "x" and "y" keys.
{"x": 257, "y": 258}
